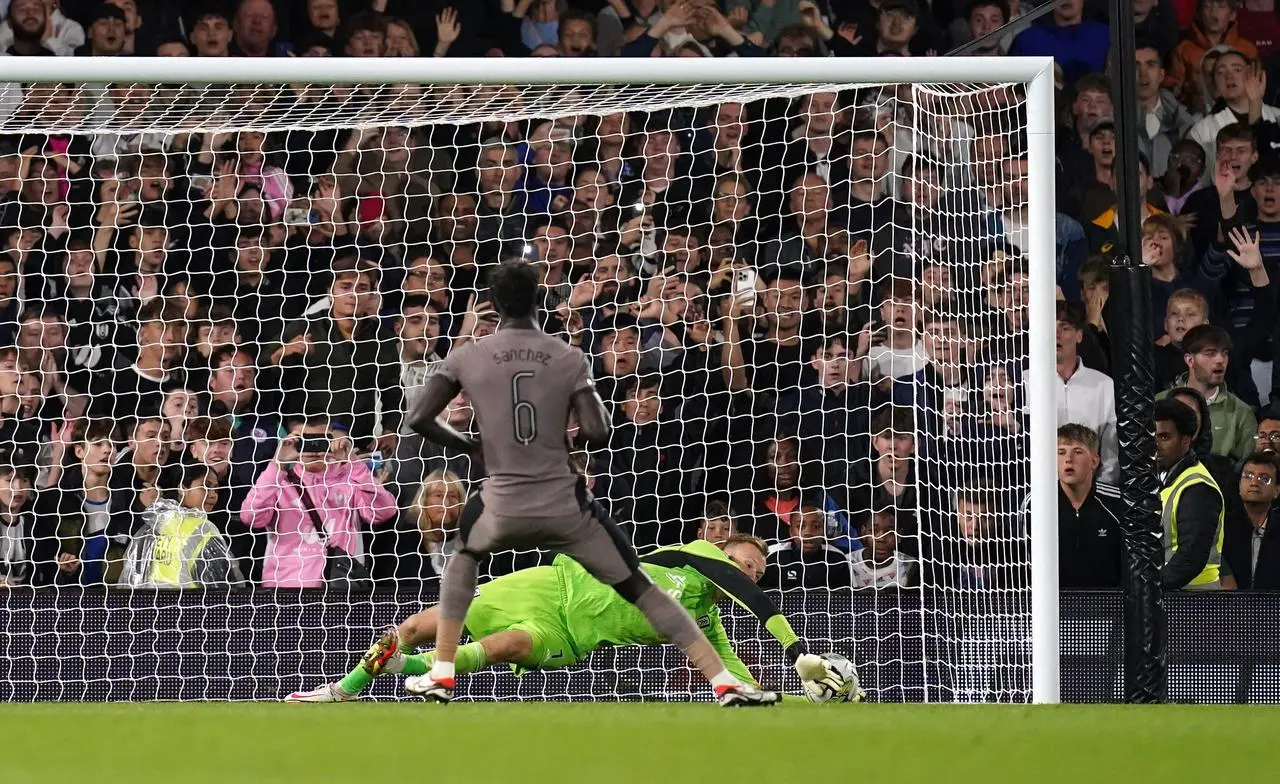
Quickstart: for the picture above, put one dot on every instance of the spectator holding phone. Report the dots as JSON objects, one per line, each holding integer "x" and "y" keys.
{"x": 315, "y": 480}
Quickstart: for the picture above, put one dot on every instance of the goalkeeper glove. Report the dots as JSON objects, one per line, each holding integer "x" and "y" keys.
{"x": 814, "y": 669}
{"x": 811, "y": 667}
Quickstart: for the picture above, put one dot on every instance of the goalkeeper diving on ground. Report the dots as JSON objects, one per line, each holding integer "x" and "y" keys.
{"x": 554, "y": 616}
{"x": 523, "y": 385}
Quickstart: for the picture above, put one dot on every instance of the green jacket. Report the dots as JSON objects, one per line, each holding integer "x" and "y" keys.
{"x": 1234, "y": 425}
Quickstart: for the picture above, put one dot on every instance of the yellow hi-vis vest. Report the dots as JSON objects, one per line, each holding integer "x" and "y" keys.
{"x": 1195, "y": 474}
{"x": 179, "y": 539}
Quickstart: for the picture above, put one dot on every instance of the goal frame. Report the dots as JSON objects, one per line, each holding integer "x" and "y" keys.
{"x": 1036, "y": 73}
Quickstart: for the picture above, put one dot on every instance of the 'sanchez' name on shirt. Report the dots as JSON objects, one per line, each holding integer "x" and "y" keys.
{"x": 521, "y": 355}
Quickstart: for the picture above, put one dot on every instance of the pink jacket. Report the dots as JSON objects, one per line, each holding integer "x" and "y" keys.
{"x": 345, "y": 495}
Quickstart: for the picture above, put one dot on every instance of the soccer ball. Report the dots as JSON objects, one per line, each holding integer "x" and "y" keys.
{"x": 826, "y": 691}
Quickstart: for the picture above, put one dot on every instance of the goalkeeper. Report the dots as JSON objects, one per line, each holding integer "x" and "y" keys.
{"x": 554, "y": 616}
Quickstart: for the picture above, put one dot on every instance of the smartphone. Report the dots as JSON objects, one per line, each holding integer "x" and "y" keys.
{"x": 744, "y": 285}
{"x": 297, "y": 216}
{"x": 375, "y": 461}
{"x": 201, "y": 182}
{"x": 313, "y": 445}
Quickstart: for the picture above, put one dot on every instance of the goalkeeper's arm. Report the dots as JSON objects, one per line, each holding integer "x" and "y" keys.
{"x": 738, "y": 587}
{"x": 719, "y": 640}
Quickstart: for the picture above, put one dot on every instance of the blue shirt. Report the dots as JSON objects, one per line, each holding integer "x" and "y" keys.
{"x": 1079, "y": 49}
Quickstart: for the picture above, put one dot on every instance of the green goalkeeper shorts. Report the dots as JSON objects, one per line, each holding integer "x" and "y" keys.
{"x": 530, "y": 601}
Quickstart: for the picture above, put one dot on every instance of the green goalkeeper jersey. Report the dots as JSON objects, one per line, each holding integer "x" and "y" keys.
{"x": 697, "y": 575}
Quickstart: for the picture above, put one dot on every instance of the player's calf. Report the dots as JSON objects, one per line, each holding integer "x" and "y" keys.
{"x": 418, "y": 629}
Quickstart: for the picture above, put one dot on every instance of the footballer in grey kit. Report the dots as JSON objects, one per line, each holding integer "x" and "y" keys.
{"x": 523, "y": 384}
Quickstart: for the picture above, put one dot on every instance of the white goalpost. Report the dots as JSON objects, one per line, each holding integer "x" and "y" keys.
{"x": 813, "y": 285}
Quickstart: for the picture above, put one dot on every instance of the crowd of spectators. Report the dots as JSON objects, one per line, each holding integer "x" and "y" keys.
{"x": 808, "y": 316}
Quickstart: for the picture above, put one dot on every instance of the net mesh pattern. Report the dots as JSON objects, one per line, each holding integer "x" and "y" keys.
{"x": 805, "y": 306}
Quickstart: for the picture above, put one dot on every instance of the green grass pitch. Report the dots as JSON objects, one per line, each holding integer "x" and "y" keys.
{"x": 214, "y": 743}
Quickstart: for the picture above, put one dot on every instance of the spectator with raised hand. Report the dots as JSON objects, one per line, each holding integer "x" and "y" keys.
{"x": 539, "y": 22}
{"x": 1229, "y": 198}
{"x": 315, "y": 495}
{"x": 768, "y": 363}
{"x": 1162, "y": 244}
{"x": 681, "y": 23}
{"x": 447, "y": 31}
{"x": 1241, "y": 85}
{"x": 434, "y": 513}
{"x": 1249, "y": 308}
{"x": 32, "y": 27}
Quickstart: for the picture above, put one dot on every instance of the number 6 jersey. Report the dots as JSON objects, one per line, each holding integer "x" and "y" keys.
{"x": 520, "y": 383}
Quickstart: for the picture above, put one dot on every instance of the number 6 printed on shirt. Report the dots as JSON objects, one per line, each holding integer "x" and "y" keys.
{"x": 523, "y": 414}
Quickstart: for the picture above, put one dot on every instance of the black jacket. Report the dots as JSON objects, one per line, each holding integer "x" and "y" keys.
{"x": 1198, "y": 511}
{"x": 789, "y": 567}
{"x": 348, "y": 379}
{"x": 1237, "y": 551}
{"x": 37, "y": 564}
{"x": 1089, "y": 547}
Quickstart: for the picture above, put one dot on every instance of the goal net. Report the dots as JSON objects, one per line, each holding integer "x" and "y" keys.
{"x": 806, "y": 303}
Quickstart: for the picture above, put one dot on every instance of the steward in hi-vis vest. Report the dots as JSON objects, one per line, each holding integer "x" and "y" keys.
{"x": 1190, "y": 501}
